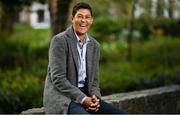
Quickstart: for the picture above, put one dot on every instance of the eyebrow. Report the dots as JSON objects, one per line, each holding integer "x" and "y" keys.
{"x": 83, "y": 15}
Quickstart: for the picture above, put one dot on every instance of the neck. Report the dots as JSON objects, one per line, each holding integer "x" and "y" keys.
{"x": 81, "y": 37}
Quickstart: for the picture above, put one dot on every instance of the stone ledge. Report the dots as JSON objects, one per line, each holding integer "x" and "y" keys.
{"x": 34, "y": 111}
{"x": 159, "y": 100}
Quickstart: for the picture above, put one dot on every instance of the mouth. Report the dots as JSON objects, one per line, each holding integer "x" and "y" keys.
{"x": 83, "y": 26}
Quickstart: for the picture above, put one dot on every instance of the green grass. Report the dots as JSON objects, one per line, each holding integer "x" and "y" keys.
{"x": 30, "y": 36}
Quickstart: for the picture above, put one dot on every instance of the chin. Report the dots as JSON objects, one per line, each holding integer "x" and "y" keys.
{"x": 82, "y": 32}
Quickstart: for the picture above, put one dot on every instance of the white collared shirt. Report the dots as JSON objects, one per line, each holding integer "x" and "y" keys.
{"x": 81, "y": 47}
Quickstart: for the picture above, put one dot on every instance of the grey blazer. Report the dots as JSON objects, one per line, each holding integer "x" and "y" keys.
{"x": 61, "y": 80}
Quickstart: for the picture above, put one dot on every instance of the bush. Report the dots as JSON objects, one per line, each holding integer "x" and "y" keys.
{"x": 23, "y": 66}
{"x": 113, "y": 51}
{"x": 23, "y": 47}
{"x": 117, "y": 76}
{"x": 154, "y": 63}
{"x": 19, "y": 54}
{"x": 19, "y": 91}
{"x": 159, "y": 51}
{"x": 12, "y": 54}
{"x": 158, "y": 26}
{"x": 106, "y": 28}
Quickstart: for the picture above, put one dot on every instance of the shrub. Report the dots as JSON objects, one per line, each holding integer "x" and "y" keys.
{"x": 154, "y": 63}
{"x": 13, "y": 54}
{"x": 19, "y": 91}
{"x": 23, "y": 66}
{"x": 157, "y": 26}
{"x": 159, "y": 51}
{"x": 106, "y": 28}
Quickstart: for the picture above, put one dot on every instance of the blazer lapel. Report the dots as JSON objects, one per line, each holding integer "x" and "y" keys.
{"x": 75, "y": 54}
{"x": 73, "y": 41}
{"x": 89, "y": 60}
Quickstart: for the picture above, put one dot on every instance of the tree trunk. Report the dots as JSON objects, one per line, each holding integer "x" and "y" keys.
{"x": 7, "y": 19}
{"x": 59, "y": 10}
{"x": 130, "y": 34}
{"x": 171, "y": 8}
{"x": 160, "y": 8}
{"x": 147, "y": 7}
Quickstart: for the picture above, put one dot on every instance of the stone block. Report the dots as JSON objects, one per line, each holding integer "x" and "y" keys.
{"x": 163, "y": 100}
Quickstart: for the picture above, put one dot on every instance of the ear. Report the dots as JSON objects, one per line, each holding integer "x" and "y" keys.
{"x": 92, "y": 20}
{"x": 72, "y": 17}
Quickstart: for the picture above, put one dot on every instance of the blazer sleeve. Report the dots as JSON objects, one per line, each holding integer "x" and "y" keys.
{"x": 57, "y": 68}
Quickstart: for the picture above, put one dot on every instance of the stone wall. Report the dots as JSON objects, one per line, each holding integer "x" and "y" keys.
{"x": 158, "y": 100}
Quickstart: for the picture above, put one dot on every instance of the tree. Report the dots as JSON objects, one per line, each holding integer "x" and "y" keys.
{"x": 171, "y": 4}
{"x": 160, "y": 8}
{"x": 131, "y": 28}
{"x": 59, "y": 10}
{"x": 123, "y": 7}
{"x": 9, "y": 10}
{"x": 147, "y": 5}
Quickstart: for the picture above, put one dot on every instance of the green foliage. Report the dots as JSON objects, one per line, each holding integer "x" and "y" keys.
{"x": 164, "y": 51}
{"x": 106, "y": 28}
{"x": 116, "y": 77}
{"x": 11, "y": 53}
{"x": 22, "y": 48}
{"x": 110, "y": 7}
{"x": 19, "y": 91}
{"x": 157, "y": 26}
{"x": 23, "y": 66}
{"x": 155, "y": 63}
{"x": 114, "y": 51}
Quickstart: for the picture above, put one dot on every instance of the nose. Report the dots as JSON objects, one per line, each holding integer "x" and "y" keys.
{"x": 83, "y": 20}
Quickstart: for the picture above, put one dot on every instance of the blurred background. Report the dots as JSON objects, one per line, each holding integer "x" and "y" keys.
{"x": 140, "y": 45}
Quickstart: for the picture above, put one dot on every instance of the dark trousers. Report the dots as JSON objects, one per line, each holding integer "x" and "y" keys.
{"x": 105, "y": 108}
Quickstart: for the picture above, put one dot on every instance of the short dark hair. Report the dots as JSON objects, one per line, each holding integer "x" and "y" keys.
{"x": 81, "y": 5}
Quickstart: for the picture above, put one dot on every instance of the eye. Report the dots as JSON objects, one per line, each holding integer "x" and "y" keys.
{"x": 79, "y": 17}
{"x": 88, "y": 17}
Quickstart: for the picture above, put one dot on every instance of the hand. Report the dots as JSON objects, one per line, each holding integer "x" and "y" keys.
{"x": 91, "y": 103}
{"x": 87, "y": 102}
{"x": 95, "y": 106}
{"x": 94, "y": 99}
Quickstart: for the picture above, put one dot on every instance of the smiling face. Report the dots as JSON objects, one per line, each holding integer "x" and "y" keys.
{"x": 81, "y": 21}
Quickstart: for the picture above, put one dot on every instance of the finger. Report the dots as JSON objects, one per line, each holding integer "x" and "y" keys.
{"x": 96, "y": 103}
{"x": 97, "y": 100}
{"x": 96, "y": 109}
{"x": 93, "y": 98}
{"x": 93, "y": 105}
{"x": 92, "y": 108}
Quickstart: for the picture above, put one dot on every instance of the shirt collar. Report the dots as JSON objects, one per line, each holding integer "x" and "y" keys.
{"x": 86, "y": 38}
